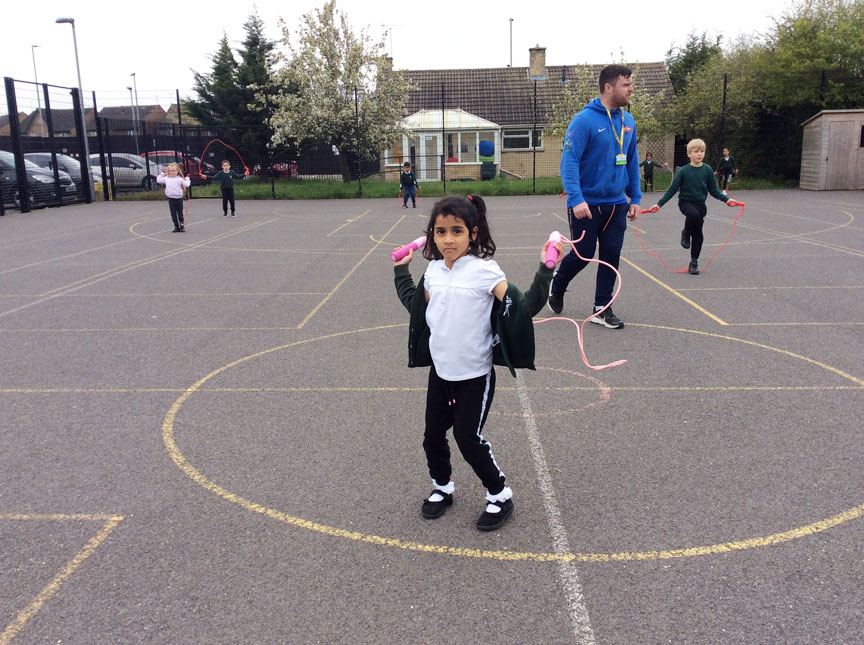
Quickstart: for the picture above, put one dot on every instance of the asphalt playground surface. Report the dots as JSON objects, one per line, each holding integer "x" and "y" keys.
{"x": 214, "y": 437}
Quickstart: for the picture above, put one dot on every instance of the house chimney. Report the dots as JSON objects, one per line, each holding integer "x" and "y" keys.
{"x": 537, "y": 64}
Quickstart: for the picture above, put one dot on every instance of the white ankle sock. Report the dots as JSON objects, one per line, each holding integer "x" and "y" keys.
{"x": 440, "y": 491}
{"x": 503, "y": 496}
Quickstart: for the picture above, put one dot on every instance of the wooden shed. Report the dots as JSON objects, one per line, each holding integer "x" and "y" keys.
{"x": 832, "y": 153}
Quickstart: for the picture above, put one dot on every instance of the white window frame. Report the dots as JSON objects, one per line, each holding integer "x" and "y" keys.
{"x": 529, "y": 130}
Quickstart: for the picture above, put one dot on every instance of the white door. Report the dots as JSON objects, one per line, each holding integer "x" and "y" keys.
{"x": 430, "y": 162}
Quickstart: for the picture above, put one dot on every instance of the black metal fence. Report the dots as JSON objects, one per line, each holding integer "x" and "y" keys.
{"x": 491, "y": 132}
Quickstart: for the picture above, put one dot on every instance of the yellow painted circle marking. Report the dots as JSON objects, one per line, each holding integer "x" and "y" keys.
{"x": 723, "y": 547}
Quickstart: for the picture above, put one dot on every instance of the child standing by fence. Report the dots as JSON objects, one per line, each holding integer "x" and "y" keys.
{"x": 407, "y": 185}
{"x": 695, "y": 181}
{"x": 726, "y": 169}
{"x": 465, "y": 317}
{"x": 226, "y": 178}
{"x": 175, "y": 185}
{"x": 650, "y": 165}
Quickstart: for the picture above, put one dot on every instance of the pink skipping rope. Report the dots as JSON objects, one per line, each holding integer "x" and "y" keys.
{"x": 556, "y": 236}
{"x": 685, "y": 269}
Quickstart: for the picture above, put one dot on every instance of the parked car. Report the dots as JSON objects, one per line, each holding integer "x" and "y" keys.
{"x": 41, "y": 187}
{"x": 66, "y": 164}
{"x": 130, "y": 170}
{"x": 161, "y": 159}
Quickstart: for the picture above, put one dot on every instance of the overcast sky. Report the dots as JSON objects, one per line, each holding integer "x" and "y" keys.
{"x": 162, "y": 42}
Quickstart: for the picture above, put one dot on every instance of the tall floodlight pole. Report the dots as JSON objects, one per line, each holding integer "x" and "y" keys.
{"x": 71, "y": 21}
{"x": 38, "y": 93}
{"x": 511, "y": 43}
{"x": 137, "y": 113}
{"x": 132, "y": 108}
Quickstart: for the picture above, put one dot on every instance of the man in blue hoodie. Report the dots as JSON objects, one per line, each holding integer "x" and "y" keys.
{"x": 600, "y": 170}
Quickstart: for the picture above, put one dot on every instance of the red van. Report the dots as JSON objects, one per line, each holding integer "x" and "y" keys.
{"x": 159, "y": 160}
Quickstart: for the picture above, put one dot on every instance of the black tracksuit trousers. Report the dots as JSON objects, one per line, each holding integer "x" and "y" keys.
{"x": 464, "y": 405}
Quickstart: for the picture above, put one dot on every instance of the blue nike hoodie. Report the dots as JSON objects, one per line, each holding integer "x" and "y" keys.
{"x": 588, "y": 168}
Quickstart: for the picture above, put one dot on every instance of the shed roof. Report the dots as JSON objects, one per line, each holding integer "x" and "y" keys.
{"x": 821, "y": 112}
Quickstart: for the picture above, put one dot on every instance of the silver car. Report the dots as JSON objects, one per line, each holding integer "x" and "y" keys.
{"x": 130, "y": 171}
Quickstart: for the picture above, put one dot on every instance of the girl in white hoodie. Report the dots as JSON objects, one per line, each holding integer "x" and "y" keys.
{"x": 175, "y": 185}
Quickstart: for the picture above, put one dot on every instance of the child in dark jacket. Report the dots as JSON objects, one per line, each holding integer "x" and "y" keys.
{"x": 465, "y": 317}
{"x": 408, "y": 185}
{"x": 226, "y": 178}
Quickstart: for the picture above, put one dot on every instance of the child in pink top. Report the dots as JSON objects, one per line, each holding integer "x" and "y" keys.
{"x": 175, "y": 185}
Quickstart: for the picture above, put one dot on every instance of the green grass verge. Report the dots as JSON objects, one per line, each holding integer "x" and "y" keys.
{"x": 255, "y": 188}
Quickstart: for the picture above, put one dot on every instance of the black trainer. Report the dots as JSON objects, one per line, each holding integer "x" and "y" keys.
{"x": 694, "y": 267}
{"x": 176, "y": 229}
{"x": 607, "y": 319}
{"x": 685, "y": 238}
{"x": 556, "y": 302}
{"x": 491, "y": 521}
{"x": 434, "y": 509}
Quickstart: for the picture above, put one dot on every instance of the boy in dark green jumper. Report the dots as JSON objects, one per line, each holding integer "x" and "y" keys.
{"x": 226, "y": 178}
{"x": 650, "y": 165}
{"x": 695, "y": 181}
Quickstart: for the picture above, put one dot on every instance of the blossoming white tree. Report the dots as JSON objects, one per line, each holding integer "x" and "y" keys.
{"x": 344, "y": 91}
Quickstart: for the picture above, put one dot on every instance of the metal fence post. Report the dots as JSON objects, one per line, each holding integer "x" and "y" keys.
{"x": 80, "y": 125}
{"x": 98, "y": 121}
{"x": 15, "y": 132}
{"x": 723, "y": 115}
{"x": 51, "y": 139}
{"x": 357, "y": 136}
{"x": 443, "y": 143}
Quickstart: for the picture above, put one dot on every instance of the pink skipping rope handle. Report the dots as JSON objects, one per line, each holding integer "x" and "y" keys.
{"x": 402, "y": 251}
{"x": 580, "y": 328}
{"x": 551, "y": 251}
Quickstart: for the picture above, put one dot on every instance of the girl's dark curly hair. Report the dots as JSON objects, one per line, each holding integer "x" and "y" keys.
{"x": 472, "y": 211}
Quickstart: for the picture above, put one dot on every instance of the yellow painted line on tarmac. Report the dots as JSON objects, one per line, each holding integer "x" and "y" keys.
{"x": 350, "y": 221}
{"x": 144, "y": 261}
{"x": 677, "y": 293}
{"x": 373, "y": 390}
{"x": 111, "y": 521}
{"x": 778, "y": 288}
{"x": 502, "y": 555}
{"x": 345, "y": 278}
{"x": 812, "y": 361}
{"x": 726, "y": 547}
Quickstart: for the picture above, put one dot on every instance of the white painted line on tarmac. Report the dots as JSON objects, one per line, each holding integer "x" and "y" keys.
{"x": 86, "y": 282}
{"x": 576, "y": 609}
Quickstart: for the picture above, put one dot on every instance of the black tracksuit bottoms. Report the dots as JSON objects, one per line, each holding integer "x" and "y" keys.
{"x": 694, "y": 213}
{"x": 464, "y": 406}
{"x": 227, "y": 197}
{"x": 175, "y": 205}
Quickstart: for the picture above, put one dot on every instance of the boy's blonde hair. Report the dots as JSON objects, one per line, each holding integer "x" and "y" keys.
{"x": 695, "y": 143}
{"x": 176, "y": 166}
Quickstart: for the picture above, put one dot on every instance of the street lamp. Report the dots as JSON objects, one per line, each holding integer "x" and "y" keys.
{"x": 132, "y": 104}
{"x": 137, "y": 113}
{"x": 38, "y": 95}
{"x": 71, "y": 21}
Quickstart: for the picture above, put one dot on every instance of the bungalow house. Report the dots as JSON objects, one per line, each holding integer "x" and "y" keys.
{"x": 62, "y": 121}
{"x": 4, "y": 123}
{"x": 472, "y": 116}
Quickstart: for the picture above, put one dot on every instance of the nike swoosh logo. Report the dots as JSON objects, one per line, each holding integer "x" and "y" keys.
{"x": 601, "y": 129}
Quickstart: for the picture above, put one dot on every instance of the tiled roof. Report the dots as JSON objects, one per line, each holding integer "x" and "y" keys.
{"x": 505, "y": 95}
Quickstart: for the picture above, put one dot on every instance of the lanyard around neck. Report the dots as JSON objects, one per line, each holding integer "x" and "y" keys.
{"x": 619, "y": 139}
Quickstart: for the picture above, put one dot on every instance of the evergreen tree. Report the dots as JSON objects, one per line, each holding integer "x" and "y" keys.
{"x": 218, "y": 92}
